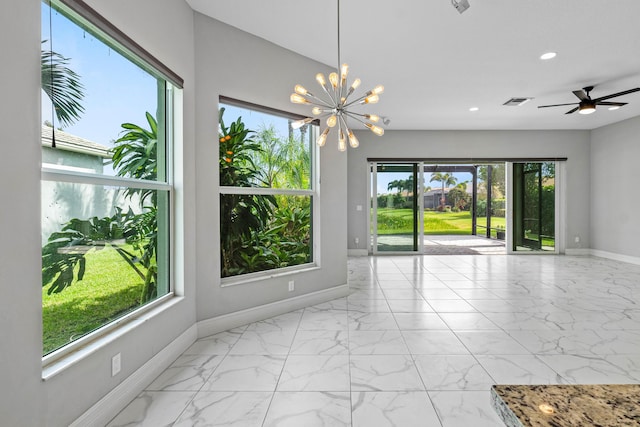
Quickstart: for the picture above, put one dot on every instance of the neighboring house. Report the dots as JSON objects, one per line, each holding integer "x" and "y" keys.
{"x": 433, "y": 196}
{"x": 60, "y": 200}
{"x": 73, "y": 153}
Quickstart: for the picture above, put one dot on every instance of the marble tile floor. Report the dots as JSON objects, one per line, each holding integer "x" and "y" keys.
{"x": 418, "y": 342}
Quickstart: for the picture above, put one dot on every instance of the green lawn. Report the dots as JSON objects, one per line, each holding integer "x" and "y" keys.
{"x": 110, "y": 288}
{"x": 399, "y": 221}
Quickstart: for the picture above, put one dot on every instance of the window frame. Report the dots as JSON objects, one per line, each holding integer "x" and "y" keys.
{"x": 313, "y": 192}
{"x": 84, "y": 16}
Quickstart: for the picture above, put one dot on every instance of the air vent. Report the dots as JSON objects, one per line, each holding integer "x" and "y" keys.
{"x": 516, "y": 102}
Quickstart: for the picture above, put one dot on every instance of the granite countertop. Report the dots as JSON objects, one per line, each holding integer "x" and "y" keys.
{"x": 567, "y": 405}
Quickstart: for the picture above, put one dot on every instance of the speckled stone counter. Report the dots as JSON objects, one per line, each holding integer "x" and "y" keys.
{"x": 567, "y": 405}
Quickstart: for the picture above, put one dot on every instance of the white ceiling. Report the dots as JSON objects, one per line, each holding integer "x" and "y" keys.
{"x": 435, "y": 63}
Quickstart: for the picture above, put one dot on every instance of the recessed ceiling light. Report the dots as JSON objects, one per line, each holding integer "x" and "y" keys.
{"x": 548, "y": 55}
{"x": 473, "y": 109}
{"x": 615, "y": 107}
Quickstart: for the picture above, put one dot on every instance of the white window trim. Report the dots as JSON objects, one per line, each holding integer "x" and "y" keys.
{"x": 75, "y": 177}
{"x": 266, "y": 191}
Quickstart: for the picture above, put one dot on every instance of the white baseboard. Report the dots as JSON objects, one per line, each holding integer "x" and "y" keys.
{"x": 604, "y": 254}
{"x": 118, "y": 398}
{"x": 357, "y": 252}
{"x": 233, "y": 320}
{"x": 615, "y": 256}
{"x": 578, "y": 251}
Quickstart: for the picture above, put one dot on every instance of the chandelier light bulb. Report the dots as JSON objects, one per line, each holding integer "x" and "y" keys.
{"x": 333, "y": 78}
{"x": 371, "y": 99}
{"x": 298, "y": 99}
{"x": 344, "y": 71}
{"x": 321, "y": 80}
{"x": 322, "y": 139}
{"x": 331, "y": 121}
{"x": 375, "y": 129}
{"x": 372, "y": 117}
{"x": 342, "y": 143}
{"x": 299, "y": 123}
{"x": 378, "y": 90}
{"x": 299, "y": 89}
{"x": 316, "y": 111}
{"x": 353, "y": 141}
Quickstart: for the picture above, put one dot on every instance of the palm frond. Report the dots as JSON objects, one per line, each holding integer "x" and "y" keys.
{"x": 63, "y": 87}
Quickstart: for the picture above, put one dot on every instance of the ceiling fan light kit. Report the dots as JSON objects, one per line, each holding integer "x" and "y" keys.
{"x": 588, "y": 105}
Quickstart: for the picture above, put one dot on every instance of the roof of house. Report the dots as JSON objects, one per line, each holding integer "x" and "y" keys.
{"x": 438, "y": 190}
{"x": 68, "y": 142}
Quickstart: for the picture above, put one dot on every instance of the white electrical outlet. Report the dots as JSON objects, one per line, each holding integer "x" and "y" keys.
{"x": 358, "y": 208}
{"x": 292, "y": 285}
{"x": 116, "y": 365}
{"x": 577, "y": 239}
{"x": 357, "y": 240}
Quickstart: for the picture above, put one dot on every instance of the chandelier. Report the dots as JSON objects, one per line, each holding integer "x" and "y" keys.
{"x": 335, "y": 105}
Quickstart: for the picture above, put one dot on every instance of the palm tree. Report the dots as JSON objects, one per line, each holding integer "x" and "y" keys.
{"x": 397, "y": 184}
{"x": 62, "y": 85}
{"x": 135, "y": 155}
{"x": 446, "y": 180}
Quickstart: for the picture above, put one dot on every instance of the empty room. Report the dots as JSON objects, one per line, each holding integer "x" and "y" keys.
{"x": 327, "y": 213}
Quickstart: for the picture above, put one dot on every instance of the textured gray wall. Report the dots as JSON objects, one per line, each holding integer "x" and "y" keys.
{"x": 615, "y": 204}
{"x": 21, "y": 391}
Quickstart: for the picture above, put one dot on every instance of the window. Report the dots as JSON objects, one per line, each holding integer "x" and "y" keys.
{"x": 106, "y": 176}
{"x": 267, "y": 189}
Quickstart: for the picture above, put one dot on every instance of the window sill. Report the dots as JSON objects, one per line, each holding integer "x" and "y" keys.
{"x": 257, "y": 277}
{"x": 64, "y": 358}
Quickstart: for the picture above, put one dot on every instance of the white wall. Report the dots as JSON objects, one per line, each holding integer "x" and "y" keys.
{"x": 236, "y": 64}
{"x": 574, "y": 145}
{"x": 615, "y": 203}
{"x": 25, "y": 399}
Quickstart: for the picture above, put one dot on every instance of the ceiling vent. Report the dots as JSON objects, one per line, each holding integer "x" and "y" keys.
{"x": 516, "y": 102}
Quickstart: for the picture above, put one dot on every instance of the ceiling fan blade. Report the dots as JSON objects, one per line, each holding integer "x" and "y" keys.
{"x": 572, "y": 111}
{"x": 581, "y": 95}
{"x": 613, "y": 104}
{"x": 602, "y": 98}
{"x": 557, "y": 105}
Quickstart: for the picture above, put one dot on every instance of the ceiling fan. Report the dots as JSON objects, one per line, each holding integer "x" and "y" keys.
{"x": 588, "y": 105}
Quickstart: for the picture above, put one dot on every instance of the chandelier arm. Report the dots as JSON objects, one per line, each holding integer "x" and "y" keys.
{"x": 353, "y": 116}
{"x": 352, "y": 113}
{"x": 333, "y": 99}
{"x": 321, "y": 101}
{"x": 344, "y": 123}
{"x": 357, "y": 100}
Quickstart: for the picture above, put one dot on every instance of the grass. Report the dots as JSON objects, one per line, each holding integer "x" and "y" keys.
{"x": 110, "y": 288}
{"x": 400, "y": 221}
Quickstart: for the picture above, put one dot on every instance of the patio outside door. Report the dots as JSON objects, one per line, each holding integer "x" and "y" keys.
{"x": 396, "y": 207}
{"x": 534, "y": 206}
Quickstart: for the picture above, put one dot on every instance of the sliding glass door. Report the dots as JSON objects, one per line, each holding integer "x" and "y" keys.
{"x": 534, "y": 207}
{"x": 396, "y": 207}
